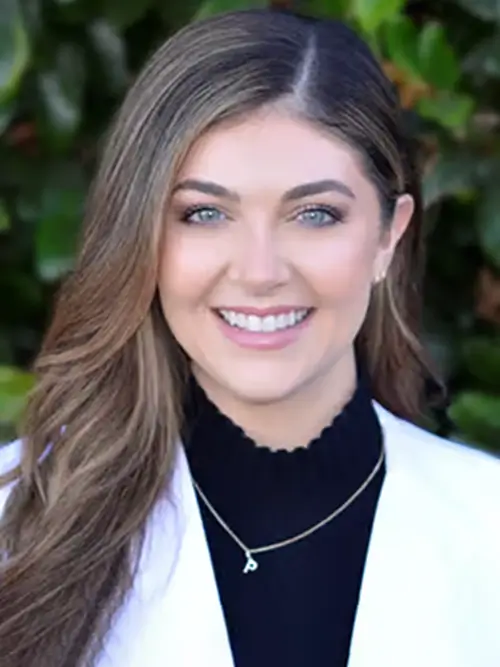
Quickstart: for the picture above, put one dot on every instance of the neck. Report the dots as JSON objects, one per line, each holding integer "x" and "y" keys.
{"x": 294, "y": 420}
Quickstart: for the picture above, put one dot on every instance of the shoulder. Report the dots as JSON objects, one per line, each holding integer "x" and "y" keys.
{"x": 462, "y": 474}
{"x": 10, "y": 456}
{"x": 450, "y": 494}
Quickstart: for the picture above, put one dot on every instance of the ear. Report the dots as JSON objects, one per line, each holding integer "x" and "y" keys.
{"x": 392, "y": 234}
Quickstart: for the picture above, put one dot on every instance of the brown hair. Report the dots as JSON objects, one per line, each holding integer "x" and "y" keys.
{"x": 110, "y": 374}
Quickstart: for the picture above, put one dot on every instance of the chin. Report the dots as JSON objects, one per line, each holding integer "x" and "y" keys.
{"x": 262, "y": 388}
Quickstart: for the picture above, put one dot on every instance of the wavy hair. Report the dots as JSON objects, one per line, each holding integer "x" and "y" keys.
{"x": 110, "y": 375}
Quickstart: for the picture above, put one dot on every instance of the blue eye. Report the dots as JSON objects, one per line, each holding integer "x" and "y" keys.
{"x": 203, "y": 215}
{"x": 321, "y": 216}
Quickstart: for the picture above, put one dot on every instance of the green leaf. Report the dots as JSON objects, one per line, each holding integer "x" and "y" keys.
{"x": 14, "y": 49}
{"x": 33, "y": 16}
{"x": 326, "y": 8}
{"x": 481, "y": 356}
{"x": 4, "y": 218}
{"x": 438, "y": 61}
{"x": 488, "y": 10}
{"x": 176, "y": 15}
{"x": 14, "y": 388}
{"x": 124, "y": 13}
{"x": 477, "y": 415}
{"x": 59, "y": 225}
{"x": 61, "y": 92}
{"x": 110, "y": 49}
{"x": 488, "y": 167}
{"x": 484, "y": 59}
{"x": 453, "y": 174}
{"x": 211, "y": 7}
{"x": 371, "y": 14}
{"x": 400, "y": 38}
{"x": 451, "y": 110}
{"x": 488, "y": 222}
{"x": 6, "y": 115}
{"x": 74, "y": 12}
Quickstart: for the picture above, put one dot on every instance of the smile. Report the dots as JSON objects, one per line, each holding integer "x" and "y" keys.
{"x": 267, "y": 323}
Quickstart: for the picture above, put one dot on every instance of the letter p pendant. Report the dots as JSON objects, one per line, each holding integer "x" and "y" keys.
{"x": 251, "y": 565}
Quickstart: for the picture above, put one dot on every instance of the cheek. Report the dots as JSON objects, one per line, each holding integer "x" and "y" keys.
{"x": 187, "y": 272}
{"x": 342, "y": 269}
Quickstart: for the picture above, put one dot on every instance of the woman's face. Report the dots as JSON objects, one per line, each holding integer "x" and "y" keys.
{"x": 272, "y": 245}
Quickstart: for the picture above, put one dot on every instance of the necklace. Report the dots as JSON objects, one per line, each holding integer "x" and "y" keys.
{"x": 251, "y": 564}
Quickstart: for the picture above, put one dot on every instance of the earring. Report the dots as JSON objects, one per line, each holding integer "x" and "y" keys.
{"x": 379, "y": 278}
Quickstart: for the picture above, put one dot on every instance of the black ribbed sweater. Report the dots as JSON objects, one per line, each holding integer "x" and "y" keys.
{"x": 298, "y": 608}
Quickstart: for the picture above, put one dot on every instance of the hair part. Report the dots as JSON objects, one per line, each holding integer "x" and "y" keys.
{"x": 108, "y": 397}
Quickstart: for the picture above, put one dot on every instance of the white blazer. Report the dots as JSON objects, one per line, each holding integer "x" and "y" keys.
{"x": 430, "y": 595}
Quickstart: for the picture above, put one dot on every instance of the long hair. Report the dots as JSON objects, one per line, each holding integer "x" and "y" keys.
{"x": 101, "y": 428}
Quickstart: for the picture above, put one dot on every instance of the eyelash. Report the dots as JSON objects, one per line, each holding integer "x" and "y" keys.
{"x": 337, "y": 214}
{"x": 191, "y": 210}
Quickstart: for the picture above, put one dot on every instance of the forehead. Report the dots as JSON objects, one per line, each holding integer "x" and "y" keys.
{"x": 273, "y": 149}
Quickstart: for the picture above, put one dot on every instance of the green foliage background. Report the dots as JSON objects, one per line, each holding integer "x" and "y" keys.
{"x": 64, "y": 67}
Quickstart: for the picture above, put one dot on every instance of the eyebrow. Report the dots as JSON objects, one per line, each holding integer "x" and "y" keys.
{"x": 298, "y": 192}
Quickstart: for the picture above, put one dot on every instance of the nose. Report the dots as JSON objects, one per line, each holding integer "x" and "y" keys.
{"x": 258, "y": 262}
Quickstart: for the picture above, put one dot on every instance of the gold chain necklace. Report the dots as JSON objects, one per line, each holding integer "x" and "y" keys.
{"x": 251, "y": 564}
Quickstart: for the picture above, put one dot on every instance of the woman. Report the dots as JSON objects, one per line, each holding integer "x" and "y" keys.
{"x": 248, "y": 284}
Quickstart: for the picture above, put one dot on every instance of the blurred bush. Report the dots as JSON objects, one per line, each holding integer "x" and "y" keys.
{"x": 64, "y": 67}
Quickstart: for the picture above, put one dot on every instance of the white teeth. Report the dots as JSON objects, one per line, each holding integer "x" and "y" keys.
{"x": 267, "y": 324}
{"x": 254, "y": 323}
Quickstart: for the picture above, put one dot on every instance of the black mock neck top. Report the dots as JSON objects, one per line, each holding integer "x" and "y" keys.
{"x": 298, "y": 608}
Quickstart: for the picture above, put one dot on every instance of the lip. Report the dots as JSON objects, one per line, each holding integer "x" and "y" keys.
{"x": 260, "y": 340}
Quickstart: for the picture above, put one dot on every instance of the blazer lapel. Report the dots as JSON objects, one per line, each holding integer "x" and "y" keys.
{"x": 174, "y": 616}
{"x": 402, "y": 616}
